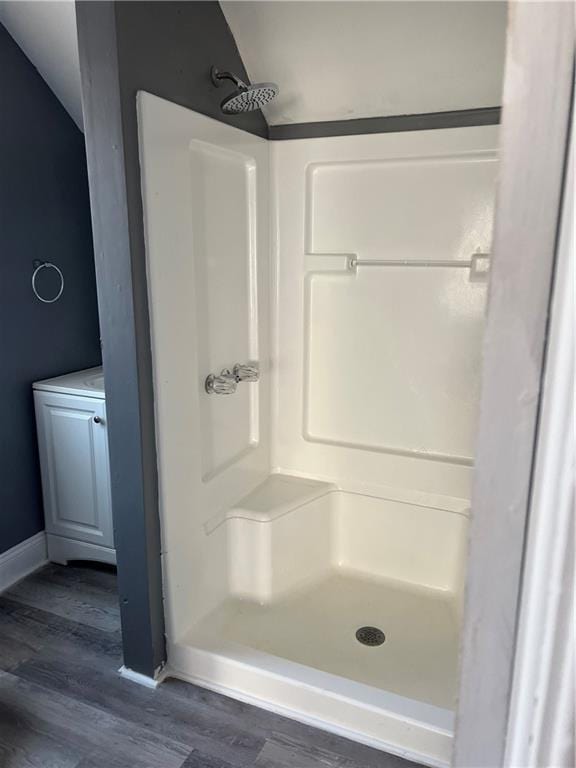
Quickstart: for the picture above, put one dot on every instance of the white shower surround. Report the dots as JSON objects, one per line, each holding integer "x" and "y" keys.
{"x": 346, "y": 470}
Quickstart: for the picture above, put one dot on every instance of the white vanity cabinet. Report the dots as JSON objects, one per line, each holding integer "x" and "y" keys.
{"x": 73, "y": 448}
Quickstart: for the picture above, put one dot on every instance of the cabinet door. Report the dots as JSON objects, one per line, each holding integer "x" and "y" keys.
{"x": 73, "y": 449}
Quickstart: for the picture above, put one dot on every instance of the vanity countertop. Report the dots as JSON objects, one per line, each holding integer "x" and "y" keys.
{"x": 86, "y": 383}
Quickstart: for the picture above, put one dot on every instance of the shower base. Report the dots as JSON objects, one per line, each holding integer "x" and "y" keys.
{"x": 317, "y": 627}
{"x": 303, "y": 576}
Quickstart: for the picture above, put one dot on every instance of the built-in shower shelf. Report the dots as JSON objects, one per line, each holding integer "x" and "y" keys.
{"x": 276, "y": 496}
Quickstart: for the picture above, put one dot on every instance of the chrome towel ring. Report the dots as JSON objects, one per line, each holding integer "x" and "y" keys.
{"x": 38, "y": 265}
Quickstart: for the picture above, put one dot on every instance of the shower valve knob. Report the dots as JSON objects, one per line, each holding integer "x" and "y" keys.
{"x": 225, "y": 384}
{"x": 246, "y": 372}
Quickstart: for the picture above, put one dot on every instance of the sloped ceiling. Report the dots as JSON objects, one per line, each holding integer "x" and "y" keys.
{"x": 343, "y": 60}
{"x": 332, "y": 60}
{"x": 46, "y": 31}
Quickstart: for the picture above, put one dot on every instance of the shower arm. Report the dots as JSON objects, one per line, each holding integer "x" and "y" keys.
{"x": 218, "y": 77}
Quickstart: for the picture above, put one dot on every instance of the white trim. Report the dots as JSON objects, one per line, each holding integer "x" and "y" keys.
{"x": 540, "y": 50}
{"x": 543, "y": 687}
{"x": 22, "y": 560}
{"x": 136, "y": 677}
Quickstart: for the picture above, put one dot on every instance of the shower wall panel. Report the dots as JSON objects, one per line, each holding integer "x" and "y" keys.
{"x": 223, "y": 219}
{"x": 393, "y": 361}
{"x": 415, "y": 207}
{"x": 206, "y": 190}
{"x": 379, "y": 365}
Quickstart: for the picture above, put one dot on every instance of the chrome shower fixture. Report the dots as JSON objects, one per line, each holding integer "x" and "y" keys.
{"x": 228, "y": 380}
{"x": 245, "y": 98}
{"x": 224, "y": 384}
{"x": 246, "y": 372}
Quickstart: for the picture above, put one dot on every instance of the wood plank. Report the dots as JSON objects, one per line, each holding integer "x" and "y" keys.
{"x": 282, "y": 751}
{"x": 198, "y": 760}
{"x": 17, "y": 643}
{"x": 104, "y": 758}
{"x": 86, "y": 729}
{"x": 99, "y": 611}
{"x": 33, "y": 625}
{"x": 94, "y": 579}
{"x": 270, "y": 725}
{"x": 86, "y": 677}
{"x": 23, "y": 744}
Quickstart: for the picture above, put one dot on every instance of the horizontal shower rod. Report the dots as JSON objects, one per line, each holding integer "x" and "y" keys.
{"x": 353, "y": 263}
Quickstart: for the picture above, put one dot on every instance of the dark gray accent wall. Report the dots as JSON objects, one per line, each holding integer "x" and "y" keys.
{"x": 166, "y": 48}
{"x": 428, "y": 121}
{"x": 45, "y": 215}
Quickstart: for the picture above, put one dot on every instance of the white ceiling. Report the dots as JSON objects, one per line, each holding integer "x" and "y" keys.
{"x": 332, "y": 60}
{"x": 46, "y": 32}
{"x": 342, "y": 60}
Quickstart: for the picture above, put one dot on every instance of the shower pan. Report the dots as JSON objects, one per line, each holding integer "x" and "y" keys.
{"x": 316, "y": 316}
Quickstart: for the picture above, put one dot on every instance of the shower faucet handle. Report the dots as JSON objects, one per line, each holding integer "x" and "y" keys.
{"x": 246, "y": 371}
{"x": 224, "y": 384}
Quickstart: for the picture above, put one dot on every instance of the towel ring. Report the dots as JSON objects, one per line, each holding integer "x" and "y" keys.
{"x": 47, "y": 265}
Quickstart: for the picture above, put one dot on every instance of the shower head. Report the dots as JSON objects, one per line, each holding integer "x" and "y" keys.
{"x": 244, "y": 98}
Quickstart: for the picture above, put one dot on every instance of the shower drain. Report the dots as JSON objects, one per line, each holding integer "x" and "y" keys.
{"x": 370, "y": 636}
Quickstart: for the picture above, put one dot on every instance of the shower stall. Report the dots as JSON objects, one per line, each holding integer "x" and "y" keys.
{"x": 316, "y": 314}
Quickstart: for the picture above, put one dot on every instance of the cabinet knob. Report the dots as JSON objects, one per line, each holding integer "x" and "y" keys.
{"x": 97, "y": 419}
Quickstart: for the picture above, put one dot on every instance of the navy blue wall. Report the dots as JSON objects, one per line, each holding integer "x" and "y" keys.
{"x": 44, "y": 214}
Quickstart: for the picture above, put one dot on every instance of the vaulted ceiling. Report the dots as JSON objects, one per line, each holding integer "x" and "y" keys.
{"x": 342, "y": 60}
{"x": 332, "y": 60}
{"x": 46, "y": 31}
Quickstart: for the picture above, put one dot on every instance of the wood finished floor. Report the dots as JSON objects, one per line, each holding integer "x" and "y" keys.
{"x": 63, "y": 704}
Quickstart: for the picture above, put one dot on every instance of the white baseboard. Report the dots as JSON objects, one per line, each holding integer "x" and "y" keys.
{"x": 22, "y": 560}
{"x": 136, "y": 677}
